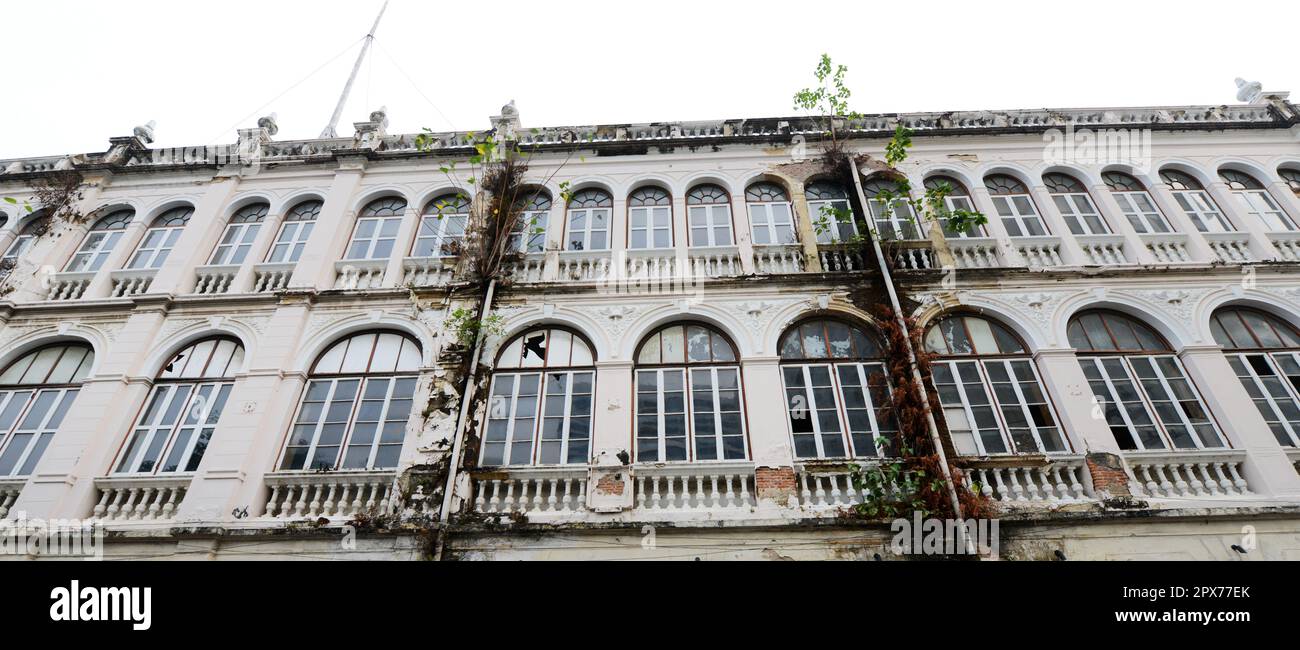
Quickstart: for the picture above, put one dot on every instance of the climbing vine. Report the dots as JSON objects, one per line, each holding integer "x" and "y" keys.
{"x": 911, "y": 478}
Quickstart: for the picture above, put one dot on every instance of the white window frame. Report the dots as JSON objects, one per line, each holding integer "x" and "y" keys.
{"x": 1143, "y": 221}
{"x": 1077, "y": 208}
{"x": 539, "y": 417}
{"x": 588, "y": 215}
{"x": 832, "y": 234}
{"x": 955, "y": 202}
{"x": 1263, "y": 207}
{"x": 439, "y": 230}
{"x": 128, "y": 465}
{"x": 719, "y": 440}
{"x": 661, "y": 447}
{"x": 717, "y": 217}
{"x": 1148, "y": 403}
{"x": 154, "y": 256}
{"x": 345, "y": 441}
{"x": 864, "y": 370}
{"x": 901, "y": 220}
{"x": 1289, "y": 427}
{"x": 1203, "y": 212}
{"x": 236, "y": 242}
{"x": 373, "y": 240}
{"x": 767, "y": 218}
{"x": 647, "y": 213}
{"x": 291, "y": 239}
{"x": 1017, "y": 221}
{"x": 43, "y": 431}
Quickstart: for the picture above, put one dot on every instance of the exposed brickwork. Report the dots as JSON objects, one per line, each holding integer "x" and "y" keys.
{"x": 610, "y": 484}
{"x": 774, "y": 484}
{"x": 1108, "y": 476}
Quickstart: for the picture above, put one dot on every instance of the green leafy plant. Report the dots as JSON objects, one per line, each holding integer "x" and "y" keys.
{"x": 829, "y": 99}
{"x": 467, "y": 328}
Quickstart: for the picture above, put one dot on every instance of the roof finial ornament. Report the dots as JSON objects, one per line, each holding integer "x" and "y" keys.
{"x": 144, "y": 133}
{"x": 380, "y": 116}
{"x": 269, "y": 123}
{"x": 507, "y": 123}
{"x": 1249, "y": 91}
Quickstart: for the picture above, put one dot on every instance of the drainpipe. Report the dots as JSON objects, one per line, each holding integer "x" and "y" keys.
{"x": 901, "y": 322}
{"x": 467, "y": 397}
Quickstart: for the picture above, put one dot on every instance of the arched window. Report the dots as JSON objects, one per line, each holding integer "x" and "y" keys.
{"x": 590, "y": 211}
{"x": 375, "y": 234}
{"x": 181, "y": 414}
{"x": 897, "y": 222}
{"x": 957, "y": 198}
{"x": 1148, "y": 400}
{"x": 541, "y": 406}
{"x": 830, "y": 211}
{"x": 708, "y": 207}
{"x": 442, "y": 227}
{"x": 1014, "y": 206}
{"x": 36, "y": 392}
{"x": 26, "y": 237}
{"x": 834, "y": 388}
{"x": 650, "y": 219}
{"x": 770, "y": 216}
{"x": 529, "y": 233}
{"x": 1072, "y": 200}
{"x": 1136, "y": 203}
{"x": 160, "y": 238}
{"x": 294, "y": 232}
{"x": 993, "y": 399}
{"x": 100, "y": 242}
{"x": 1257, "y": 201}
{"x": 1291, "y": 176}
{"x": 689, "y": 402}
{"x": 357, "y": 402}
{"x": 1264, "y": 351}
{"x": 1195, "y": 201}
{"x": 240, "y": 234}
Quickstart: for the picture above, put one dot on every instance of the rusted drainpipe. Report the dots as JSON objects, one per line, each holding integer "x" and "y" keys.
{"x": 901, "y": 322}
{"x": 467, "y": 397}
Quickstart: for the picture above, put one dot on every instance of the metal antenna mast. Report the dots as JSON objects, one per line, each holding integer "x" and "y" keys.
{"x": 329, "y": 131}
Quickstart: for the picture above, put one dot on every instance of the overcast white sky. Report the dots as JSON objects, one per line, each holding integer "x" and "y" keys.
{"x": 77, "y": 72}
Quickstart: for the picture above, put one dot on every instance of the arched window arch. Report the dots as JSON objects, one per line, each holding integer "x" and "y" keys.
{"x": 36, "y": 391}
{"x": 689, "y": 396}
{"x": 957, "y": 198}
{"x": 835, "y": 386}
{"x": 1264, "y": 352}
{"x": 181, "y": 415}
{"x": 529, "y": 233}
{"x": 1149, "y": 401}
{"x": 830, "y": 211}
{"x": 1014, "y": 206}
{"x": 650, "y": 219}
{"x": 1136, "y": 203}
{"x": 295, "y": 230}
{"x": 992, "y": 396}
{"x": 771, "y": 217}
{"x": 160, "y": 238}
{"x": 240, "y": 234}
{"x": 34, "y": 228}
{"x": 1256, "y": 200}
{"x": 103, "y": 237}
{"x": 354, "y": 412}
{"x": 540, "y": 410}
{"x": 375, "y": 234}
{"x": 1075, "y": 205}
{"x": 708, "y": 210}
{"x": 442, "y": 226}
{"x": 898, "y": 221}
{"x": 1195, "y": 201}
{"x": 1291, "y": 176}
{"x": 590, "y": 211}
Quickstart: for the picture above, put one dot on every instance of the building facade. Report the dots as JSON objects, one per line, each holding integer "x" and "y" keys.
{"x": 251, "y": 353}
